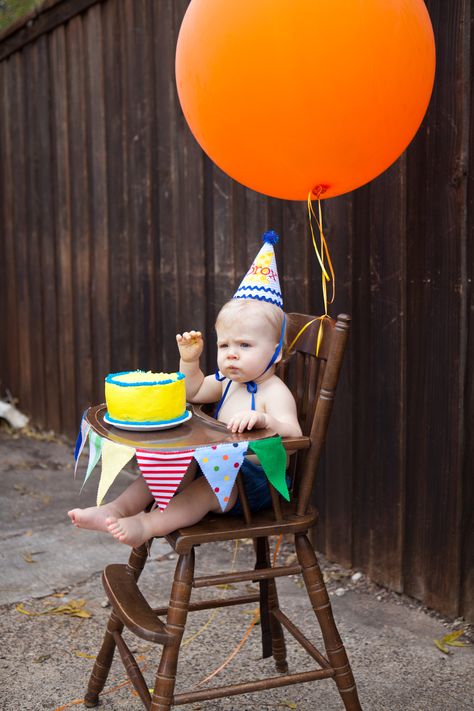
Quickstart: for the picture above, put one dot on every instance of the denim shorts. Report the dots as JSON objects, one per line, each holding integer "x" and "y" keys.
{"x": 256, "y": 487}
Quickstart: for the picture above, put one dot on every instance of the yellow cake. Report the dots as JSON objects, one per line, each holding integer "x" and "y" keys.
{"x": 145, "y": 398}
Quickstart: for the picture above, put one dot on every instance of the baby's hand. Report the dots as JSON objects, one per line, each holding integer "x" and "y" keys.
{"x": 190, "y": 345}
{"x": 247, "y": 420}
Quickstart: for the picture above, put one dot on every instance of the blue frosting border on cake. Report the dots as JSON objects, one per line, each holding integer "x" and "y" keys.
{"x": 146, "y": 423}
{"x": 110, "y": 379}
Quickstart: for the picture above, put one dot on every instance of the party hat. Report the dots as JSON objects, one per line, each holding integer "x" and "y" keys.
{"x": 261, "y": 281}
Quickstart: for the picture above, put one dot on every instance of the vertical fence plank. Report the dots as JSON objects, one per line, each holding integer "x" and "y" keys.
{"x": 245, "y": 239}
{"x": 140, "y": 109}
{"x": 169, "y": 196}
{"x": 335, "y": 483}
{"x": 436, "y": 326}
{"x": 363, "y": 494}
{"x": 4, "y": 374}
{"x": 298, "y": 262}
{"x": 62, "y": 217}
{"x": 467, "y": 526}
{"x": 20, "y": 230}
{"x": 116, "y": 106}
{"x": 10, "y": 373}
{"x": 97, "y": 160}
{"x": 189, "y": 230}
{"x": 32, "y": 234}
{"x": 387, "y": 389}
{"x": 48, "y": 264}
{"x": 223, "y": 270}
{"x": 80, "y": 226}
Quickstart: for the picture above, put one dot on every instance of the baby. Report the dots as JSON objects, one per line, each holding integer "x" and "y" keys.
{"x": 248, "y": 337}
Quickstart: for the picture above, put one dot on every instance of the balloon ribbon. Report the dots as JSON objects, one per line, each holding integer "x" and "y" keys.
{"x": 322, "y": 254}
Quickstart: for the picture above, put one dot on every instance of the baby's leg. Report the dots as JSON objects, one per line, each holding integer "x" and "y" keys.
{"x": 185, "y": 509}
{"x": 134, "y": 499}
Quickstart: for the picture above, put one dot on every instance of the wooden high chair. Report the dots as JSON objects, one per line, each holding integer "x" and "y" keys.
{"x": 312, "y": 381}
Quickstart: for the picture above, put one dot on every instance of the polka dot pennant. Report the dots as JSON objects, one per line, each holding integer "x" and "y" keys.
{"x": 220, "y": 465}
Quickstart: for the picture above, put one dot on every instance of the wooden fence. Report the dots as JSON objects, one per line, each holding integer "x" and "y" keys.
{"x": 116, "y": 233}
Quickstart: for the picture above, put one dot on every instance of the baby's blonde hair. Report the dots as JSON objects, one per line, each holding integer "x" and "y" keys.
{"x": 248, "y": 309}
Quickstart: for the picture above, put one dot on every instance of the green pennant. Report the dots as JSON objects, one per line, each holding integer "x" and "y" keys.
{"x": 272, "y": 456}
{"x": 95, "y": 450}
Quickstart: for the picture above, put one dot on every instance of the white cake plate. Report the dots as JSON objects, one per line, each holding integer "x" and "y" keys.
{"x": 144, "y": 428}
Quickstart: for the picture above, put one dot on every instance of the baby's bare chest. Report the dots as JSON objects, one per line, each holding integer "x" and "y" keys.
{"x": 238, "y": 398}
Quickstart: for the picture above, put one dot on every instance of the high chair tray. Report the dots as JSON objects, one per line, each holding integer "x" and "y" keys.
{"x": 200, "y": 430}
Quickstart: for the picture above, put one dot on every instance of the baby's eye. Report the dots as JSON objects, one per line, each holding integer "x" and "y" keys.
{"x": 222, "y": 345}
{"x": 245, "y": 345}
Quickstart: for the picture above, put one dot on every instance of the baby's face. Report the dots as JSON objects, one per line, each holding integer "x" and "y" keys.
{"x": 244, "y": 349}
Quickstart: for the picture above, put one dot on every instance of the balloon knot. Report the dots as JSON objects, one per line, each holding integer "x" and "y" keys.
{"x": 319, "y": 190}
{"x": 270, "y": 237}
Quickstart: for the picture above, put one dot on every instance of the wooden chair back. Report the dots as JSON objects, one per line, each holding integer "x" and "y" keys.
{"x": 312, "y": 380}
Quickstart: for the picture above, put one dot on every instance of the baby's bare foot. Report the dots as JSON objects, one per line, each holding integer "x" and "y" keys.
{"x": 132, "y": 530}
{"x": 93, "y": 517}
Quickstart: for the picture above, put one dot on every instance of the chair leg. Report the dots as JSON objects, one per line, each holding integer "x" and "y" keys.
{"x": 103, "y": 662}
{"x": 265, "y": 624}
{"x": 176, "y": 620}
{"x": 322, "y": 607}
{"x": 278, "y": 645}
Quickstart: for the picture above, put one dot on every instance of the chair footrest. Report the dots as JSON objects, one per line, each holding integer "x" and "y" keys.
{"x": 130, "y": 605}
{"x": 217, "y": 692}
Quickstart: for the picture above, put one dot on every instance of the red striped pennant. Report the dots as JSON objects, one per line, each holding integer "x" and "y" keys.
{"x": 163, "y": 472}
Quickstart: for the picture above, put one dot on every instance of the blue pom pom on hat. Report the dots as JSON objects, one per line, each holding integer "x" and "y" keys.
{"x": 270, "y": 237}
{"x": 261, "y": 281}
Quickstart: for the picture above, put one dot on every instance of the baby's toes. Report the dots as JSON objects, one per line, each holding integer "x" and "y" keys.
{"x": 116, "y": 532}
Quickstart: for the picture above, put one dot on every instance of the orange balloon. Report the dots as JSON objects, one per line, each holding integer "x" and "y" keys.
{"x": 294, "y": 96}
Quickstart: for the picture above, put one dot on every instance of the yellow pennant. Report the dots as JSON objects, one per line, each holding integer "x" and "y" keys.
{"x": 114, "y": 458}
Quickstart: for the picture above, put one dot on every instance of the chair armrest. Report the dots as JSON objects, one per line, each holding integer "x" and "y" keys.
{"x": 294, "y": 443}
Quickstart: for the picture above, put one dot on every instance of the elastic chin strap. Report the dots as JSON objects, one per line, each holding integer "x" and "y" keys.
{"x": 251, "y": 384}
{"x": 279, "y": 346}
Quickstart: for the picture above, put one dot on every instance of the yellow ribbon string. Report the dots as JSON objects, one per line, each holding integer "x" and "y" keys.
{"x": 226, "y": 661}
{"x": 303, "y": 329}
{"x": 277, "y": 548}
{"x": 322, "y": 254}
{"x": 300, "y": 332}
{"x": 319, "y": 255}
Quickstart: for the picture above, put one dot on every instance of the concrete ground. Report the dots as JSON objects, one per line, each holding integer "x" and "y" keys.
{"x": 46, "y": 657}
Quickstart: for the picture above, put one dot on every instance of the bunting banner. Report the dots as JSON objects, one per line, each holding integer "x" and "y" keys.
{"x": 163, "y": 472}
{"x": 220, "y": 465}
{"x": 114, "y": 458}
{"x": 272, "y": 456}
{"x": 95, "y": 450}
{"x": 80, "y": 442}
